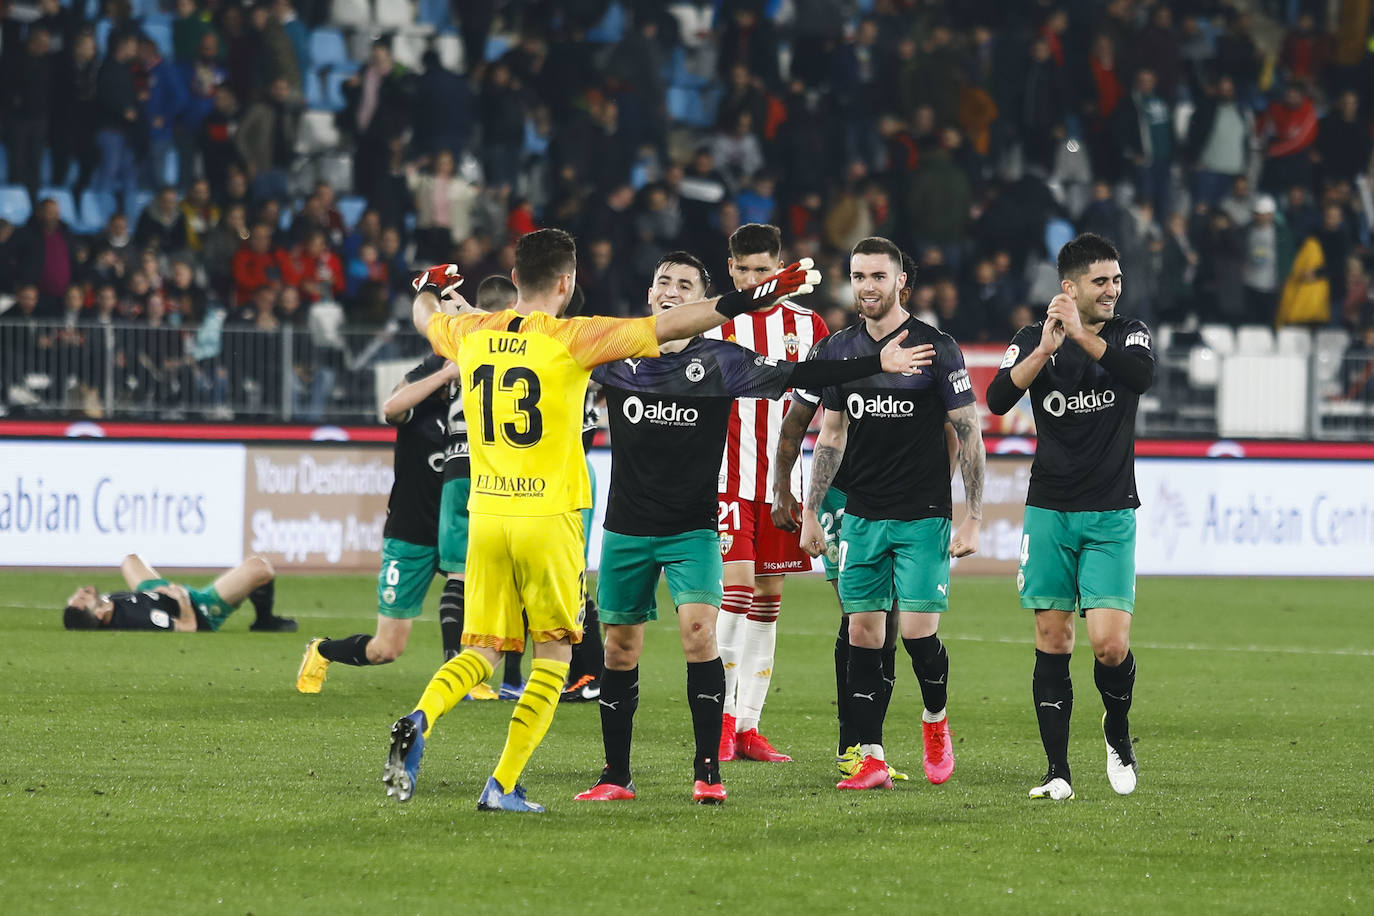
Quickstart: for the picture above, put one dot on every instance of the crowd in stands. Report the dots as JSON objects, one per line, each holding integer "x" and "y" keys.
{"x": 211, "y": 164}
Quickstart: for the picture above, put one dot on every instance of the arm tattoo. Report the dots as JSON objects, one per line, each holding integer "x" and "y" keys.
{"x": 825, "y": 461}
{"x": 972, "y": 456}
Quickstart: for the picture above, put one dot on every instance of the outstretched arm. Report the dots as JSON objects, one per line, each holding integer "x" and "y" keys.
{"x": 972, "y": 462}
{"x": 691, "y": 319}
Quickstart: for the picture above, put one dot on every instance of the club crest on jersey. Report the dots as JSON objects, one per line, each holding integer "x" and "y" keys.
{"x": 792, "y": 343}
{"x": 727, "y": 540}
{"x": 695, "y": 371}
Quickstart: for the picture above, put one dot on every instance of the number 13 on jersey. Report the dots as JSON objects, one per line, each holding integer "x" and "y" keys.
{"x": 521, "y": 386}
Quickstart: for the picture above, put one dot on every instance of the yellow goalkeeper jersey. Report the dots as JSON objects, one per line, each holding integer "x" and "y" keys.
{"x": 524, "y": 379}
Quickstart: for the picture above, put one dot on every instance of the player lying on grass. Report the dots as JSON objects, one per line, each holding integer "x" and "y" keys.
{"x": 661, "y": 514}
{"x": 154, "y": 603}
{"x": 526, "y": 373}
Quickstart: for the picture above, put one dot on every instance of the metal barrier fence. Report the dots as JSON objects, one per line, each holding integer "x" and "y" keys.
{"x": 314, "y": 373}
{"x": 321, "y": 373}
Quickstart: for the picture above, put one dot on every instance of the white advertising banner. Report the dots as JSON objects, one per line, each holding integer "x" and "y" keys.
{"x": 1255, "y": 518}
{"x": 89, "y": 504}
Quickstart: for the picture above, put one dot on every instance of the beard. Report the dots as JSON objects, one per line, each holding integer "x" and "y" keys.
{"x": 879, "y": 310}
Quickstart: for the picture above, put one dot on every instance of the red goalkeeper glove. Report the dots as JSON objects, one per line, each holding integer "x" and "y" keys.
{"x": 796, "y": 279}
{"x": 441, "y": 279}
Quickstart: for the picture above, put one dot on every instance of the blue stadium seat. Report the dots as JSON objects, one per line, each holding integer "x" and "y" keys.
{"x": 1058, "y": 233}
{"x": 135, "y": 202}
{"x": 496, "y": 47}
{"x": 102, "y": 35}
{"x": 160, "y": 32}
{"x": 694, "y": 107}
{"x": 327, "y": 48}
{"x": 66, "y": 204}
{"x": 15, "y": 206}
{"x": 95, "y": 210}
{"x": 314, "y": 92}
{"x": 435, "y": 13}
{"x": 351, "y": 209}
{"x": 611, "y": 27}
{"x": 333, "y": 90}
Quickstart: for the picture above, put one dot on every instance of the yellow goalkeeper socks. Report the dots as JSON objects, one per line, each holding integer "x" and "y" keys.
{"x": 451, "y": 683}
{"x": 531, "y": 719}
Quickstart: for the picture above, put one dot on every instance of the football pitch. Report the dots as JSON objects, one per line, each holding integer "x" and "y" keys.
{"x": 169, "y": 773}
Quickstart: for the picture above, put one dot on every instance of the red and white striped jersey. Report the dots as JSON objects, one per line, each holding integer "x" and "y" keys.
{"x": 787, "y": 332}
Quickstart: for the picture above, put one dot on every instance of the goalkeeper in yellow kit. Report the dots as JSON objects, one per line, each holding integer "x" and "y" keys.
{"x": 524, "y": 374}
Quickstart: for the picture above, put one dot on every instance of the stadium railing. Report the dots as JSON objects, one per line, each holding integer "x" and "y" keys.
{"x": 113, "y": 370}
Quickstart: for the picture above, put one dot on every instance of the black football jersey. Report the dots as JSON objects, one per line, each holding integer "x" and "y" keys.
{"x": 412, "y": 512}
{"x": 143, "y": 611}
{"x": 898, "y": 465}
{"x": 1084, "y": 422}
{"x": 669, "y": 417}
{"x": 457, "y": 459}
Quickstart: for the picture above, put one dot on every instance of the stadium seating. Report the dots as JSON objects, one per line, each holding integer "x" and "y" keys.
{"x": 95, "y": 209}
{"x": 394, "y": 14}
{"x": 1254, "y": 340}
{"x": 15, "y": 206}
{"x": 450, "y": 50}
{"x": 66, "y": 204}
{"x": 327, "y": 49}
{"x": 160, "y": 31}
{"x": 1295, "y": 340}
{"x": 1262, "y": 395}
{"x": 351, "y": 209}
{"x": 408, "y": 45}
{"x": 1204, "y": 367}
{"x": 318, "y": 133}
{"x": 135, "y": 202}
{"x": 611, "y": 28}
{"x": 351, "y": 13}
{"x": 1220, "y": 337}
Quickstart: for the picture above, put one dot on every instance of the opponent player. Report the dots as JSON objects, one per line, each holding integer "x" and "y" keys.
{"x": 1086, "y": 368}
{"x": 661, "y": 512}
{"x": 755, "y": 552}
{"x": 154, "y": 603}
{"x": 410, "y": 553}
{"x": 896, "y": 538}
{"x": 525, "y": 376}
{"x": 787, "y": 517}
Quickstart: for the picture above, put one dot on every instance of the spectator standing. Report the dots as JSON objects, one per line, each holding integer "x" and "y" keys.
{"x": 74, "y": 112}
{"x": 1343, "y": 140}
{"x": 377, "y": 112}
{"x": 1144, "y": 131}
{"x": 443, "y": 207}
{"x": 1218, "y": 140}
{"x": 47, "y": 256}
{"x": 29, "y": 79}
{"x": 165, "y": 100}
{"x": 266, "y": 140}
{"x": 1289, "y": 130}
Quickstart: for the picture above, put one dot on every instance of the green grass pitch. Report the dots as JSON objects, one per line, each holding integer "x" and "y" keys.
{"x": 161, "y": 773}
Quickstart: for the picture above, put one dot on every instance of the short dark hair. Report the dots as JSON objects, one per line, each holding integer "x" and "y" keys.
{"x": 909, "y": 268}
{"x": 1080, "y": 254}
{"x": 876, "y": 244}
{"x": 542, "y": 256}
{"x": 686, "y": 259}
{"x": 756, "y": 238}
{"x": 79, "y": 618}
{"x": 495, "y": 293}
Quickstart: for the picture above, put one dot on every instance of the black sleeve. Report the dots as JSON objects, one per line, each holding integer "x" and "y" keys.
{"x": 822, "y": 373}
{"x": 1003, "y": 393}
{"x": 1134, "y": 371}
